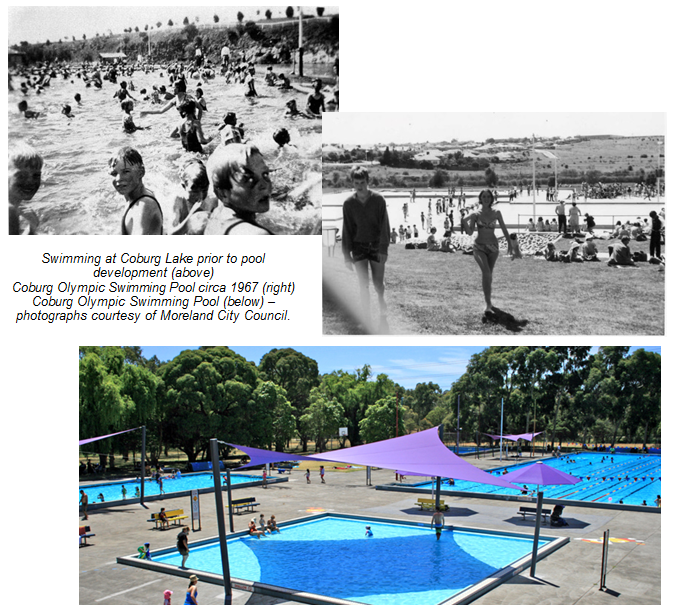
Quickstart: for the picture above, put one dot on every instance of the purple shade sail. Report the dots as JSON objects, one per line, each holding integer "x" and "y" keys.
{"x": 525, "y": 436}
{"x": 421, "y": 453}
{"x": 541, "y": 474}
{"x": 83, "y": 441}
{"x": 262, "y": 457}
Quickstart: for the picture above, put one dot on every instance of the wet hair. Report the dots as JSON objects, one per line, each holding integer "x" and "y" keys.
{"x": 292, "y": 103}
{"x": 78, "y": 97}
{"x": 281, "y": 137}
{"x": 127, "y": 105}
{"x": 230, "y": 119}
{"x": 196, "y": 170}
{"x": 66, "y": 109}
{"x": 492, "y": 197}
{"x": 21, "y": 154}
{"x": 129, "y": 156}
{"x": 23, "y": 106}
{"x": 226, "y": 161}
{"x": 180, "y": 85}
{"x": 199, "y": 91}
{"x": 358, "y": 172}
{"x": 187, "y": 107}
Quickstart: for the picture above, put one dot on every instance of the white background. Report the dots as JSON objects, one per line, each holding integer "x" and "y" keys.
{"x": 395, "y": 56}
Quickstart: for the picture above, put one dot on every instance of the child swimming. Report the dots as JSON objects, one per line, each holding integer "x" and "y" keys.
{"x": 190, "y": 131}
{"x": 191, "y": 208}
{"x": 143, "y": 215}
{"x": 129, "y": 126}
{"x": 24, "y": 175}
{"x": 27, "y": 113}
{"x": 316, "y": 100}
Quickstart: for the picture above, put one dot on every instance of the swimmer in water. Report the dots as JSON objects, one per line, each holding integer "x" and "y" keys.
{"x": 191, "y": 134}
{"x": 192, "y": 207}
{"x": 129, "y": 126}
{"x": 27, "y": 113}
{"x": 241, "y": 182}
{"x": 25, "y": 176}
{"x": 143, "y": 215}
{"x": 316, "y": 101}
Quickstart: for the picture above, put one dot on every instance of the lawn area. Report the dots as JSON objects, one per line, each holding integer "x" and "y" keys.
{"x": 437, "y": 293}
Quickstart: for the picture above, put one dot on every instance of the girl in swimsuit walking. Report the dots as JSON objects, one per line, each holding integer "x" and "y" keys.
{"x": 486, "y": 245}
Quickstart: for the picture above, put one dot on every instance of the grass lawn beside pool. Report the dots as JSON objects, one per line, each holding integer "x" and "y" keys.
{"x": 437, "y": 293}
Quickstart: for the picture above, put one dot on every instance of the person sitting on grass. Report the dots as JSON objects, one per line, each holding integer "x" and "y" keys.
{"x": 621, "y": 254}
{"x": 589, "y": 251}
{"x": 432, "y": 242}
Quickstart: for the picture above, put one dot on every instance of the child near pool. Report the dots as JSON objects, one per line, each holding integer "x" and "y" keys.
{"x": 143, "y": 215}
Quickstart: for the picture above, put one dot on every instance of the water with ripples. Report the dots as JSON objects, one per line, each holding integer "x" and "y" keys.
{"x": 77, "y": 197}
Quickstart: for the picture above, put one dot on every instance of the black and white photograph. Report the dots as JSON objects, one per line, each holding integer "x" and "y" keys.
{"x": 494, "y": 223}
{"x": 169, "y": 119}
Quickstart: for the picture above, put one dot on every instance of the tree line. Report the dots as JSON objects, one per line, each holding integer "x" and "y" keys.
{"x": 571, "y": 394}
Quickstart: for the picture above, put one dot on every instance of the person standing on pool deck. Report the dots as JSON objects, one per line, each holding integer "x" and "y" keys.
{"x": 365, "y": 240}
{"x": 84, "y": 502}
{"x": 182, "y": 545}
{"x": 562, "y": 218}
{"x": 307, "y": 476}
{"x": 322, "y": 472}
{"x": 438, "y": 522}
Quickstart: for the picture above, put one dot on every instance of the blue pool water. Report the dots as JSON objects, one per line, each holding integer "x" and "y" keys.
{"x": 399, "y": 565}
{"x": 630, "y": 478}
{"x": 112, "y": 491}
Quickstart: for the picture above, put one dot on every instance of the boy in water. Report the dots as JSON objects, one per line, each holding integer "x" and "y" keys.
{"x": 190, "y": 131}
{"x": 191, "y": 209}
{"x": 316, "y": 101}
{"x": 143, "y": 215}
{"x": 27, "y": 113}
{"x": 129, "y": 126}
{"x": 25, "y": 175}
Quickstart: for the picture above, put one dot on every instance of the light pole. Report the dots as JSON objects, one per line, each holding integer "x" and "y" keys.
{"x": 222, "y": 536}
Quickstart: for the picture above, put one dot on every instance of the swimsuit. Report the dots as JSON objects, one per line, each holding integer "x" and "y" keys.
{"x": 189, "y": 600}
{"x": 124, "y": 217}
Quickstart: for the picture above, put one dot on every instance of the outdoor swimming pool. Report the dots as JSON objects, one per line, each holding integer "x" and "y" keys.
{"x": 402, "y": 564}
{"x": 112, "y": 491}
{"x": 606, "y": 478}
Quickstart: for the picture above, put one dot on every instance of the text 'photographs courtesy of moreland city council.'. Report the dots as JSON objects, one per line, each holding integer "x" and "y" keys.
{"x": 494, "y": 223}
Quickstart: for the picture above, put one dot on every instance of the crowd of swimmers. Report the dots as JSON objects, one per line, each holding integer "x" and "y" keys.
{"x": 235, "y": 171}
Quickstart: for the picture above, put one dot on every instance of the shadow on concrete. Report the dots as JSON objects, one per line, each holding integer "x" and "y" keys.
{"x": 451, "y": 512}
{"x": 526, "y": 579}
{"x": 572, "y": 523}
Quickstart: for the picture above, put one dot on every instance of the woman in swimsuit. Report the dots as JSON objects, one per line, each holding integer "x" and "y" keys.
{"x": 241, "y": 182}
{"x": 143, "y": 215}
{"x": 486, "y": 245}
{"x": 191, "y": 595}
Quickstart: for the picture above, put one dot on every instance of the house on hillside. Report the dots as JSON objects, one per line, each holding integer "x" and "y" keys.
{"x": 16, "y": 58}
{"x": 109, "y": 58}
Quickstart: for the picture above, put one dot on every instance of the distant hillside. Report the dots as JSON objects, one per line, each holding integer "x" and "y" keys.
{"x": 266, "y": 41}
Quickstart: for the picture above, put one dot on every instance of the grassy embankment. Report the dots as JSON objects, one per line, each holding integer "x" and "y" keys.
{"x": 607, "y": 159}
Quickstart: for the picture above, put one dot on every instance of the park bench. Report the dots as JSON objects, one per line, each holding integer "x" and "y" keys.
{"x": 84, "y": 533}
{"x": 172, "y": 516}
{"x": 240, "y": 505}
{"x": 526, "y": 511}
{"x": 430, "y": 504}
{"x": 286, "y": 467}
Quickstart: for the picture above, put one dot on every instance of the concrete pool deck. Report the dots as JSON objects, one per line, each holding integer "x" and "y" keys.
{"x": 569, "y": 576}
